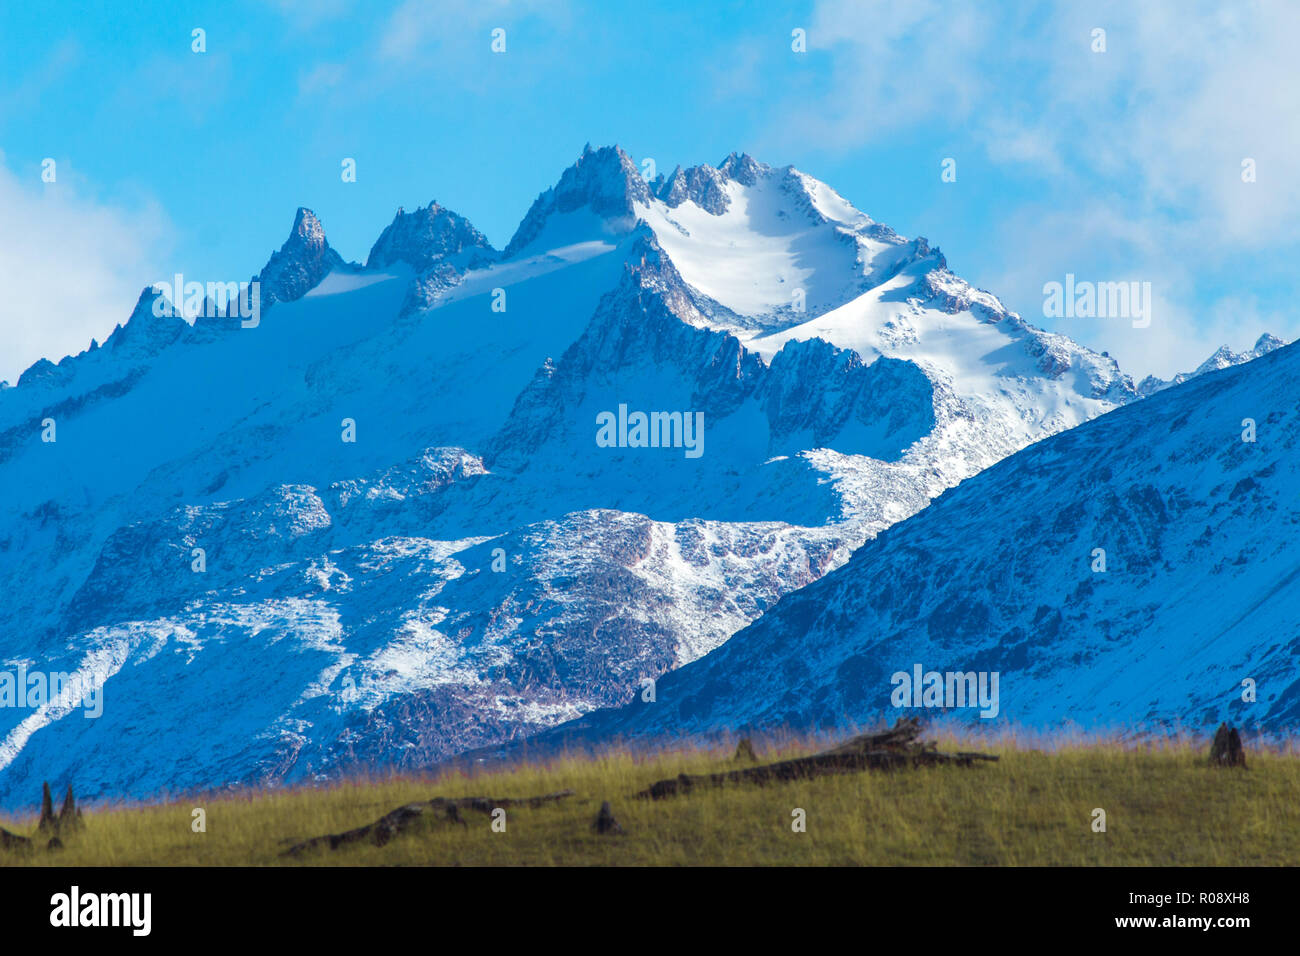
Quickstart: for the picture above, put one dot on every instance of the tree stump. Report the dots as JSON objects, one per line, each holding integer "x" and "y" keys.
{"x": 605, "y": 822}
{"x": 1226, "y": 751}
{"x": 745, "y": 751}
{"x": 69, "y": 815}
{"x": 48, "y": 821}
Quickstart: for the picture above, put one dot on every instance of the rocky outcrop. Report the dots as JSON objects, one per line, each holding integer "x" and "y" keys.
{"x": 429, "y": 236}
{"x": 300, "y": 264}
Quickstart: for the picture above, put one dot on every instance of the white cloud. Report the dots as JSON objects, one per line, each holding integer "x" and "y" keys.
{"x": 1100, "y": 242}
{"x": 62, "y": 59}
{"x": 444, "y": 43}
{"x": 71, "y": 266}
{"x": 1137, "y": 150}
{"x": 892, "y": 65}
{"x": 321, "y": 78}
{"x": 1182, "y": 94}
{"x": 421, "y": 29}
{"x": 306, "y": 14}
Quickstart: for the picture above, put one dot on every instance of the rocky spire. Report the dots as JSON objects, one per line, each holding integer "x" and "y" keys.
{"x": 301, "y": 263}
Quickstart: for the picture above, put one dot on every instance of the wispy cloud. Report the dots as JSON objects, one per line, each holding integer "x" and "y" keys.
{"x": 307, "y": 14}
{"x": 420, "y": 42}
{"x": 1140, "y": 147}
{"x": 418, "y": 29}
{"x": 893, "y": 65}
{"x": 74, "y": 268}
{"x": 56, "y": 66}
{"x": 321, "y": 78}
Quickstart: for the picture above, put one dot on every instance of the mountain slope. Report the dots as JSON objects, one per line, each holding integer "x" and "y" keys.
{"x": 1000, "y": 574}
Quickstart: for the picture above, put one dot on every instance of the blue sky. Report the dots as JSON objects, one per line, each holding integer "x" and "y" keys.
{"x": 1122, "y": 164}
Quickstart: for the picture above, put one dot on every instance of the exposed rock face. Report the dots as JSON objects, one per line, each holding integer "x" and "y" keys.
{"x": 301, "y": 263}
{"x": 1223, "y": 358}
{"x": 145, "y": 333}
{"x": 43, "y": 371}
{"x": 604, "y": 181}
{"x": 427, "y": 237}
{"x": 706, "y": 186}
{"x": 811, "y": 395}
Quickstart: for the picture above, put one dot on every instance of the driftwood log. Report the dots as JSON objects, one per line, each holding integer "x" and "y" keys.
{"x": 439, "y": 810}
{"x": 892, "y": 749}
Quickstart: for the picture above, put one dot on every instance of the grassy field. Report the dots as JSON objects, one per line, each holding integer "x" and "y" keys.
{"x": 1163, "y": 804}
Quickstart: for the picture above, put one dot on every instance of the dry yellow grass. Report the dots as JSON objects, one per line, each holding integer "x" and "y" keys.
{"x": 1163, "y": 803}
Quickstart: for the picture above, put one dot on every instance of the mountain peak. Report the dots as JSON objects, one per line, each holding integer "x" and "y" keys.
{"x": 743, "y": 168}
{"x": 154, "y": 324}
{"x": 1223, "y": 357}
{"x": 43, "y": 370}
{"x": 426, "y": 236}
{"x": 301, "y": 263}
{"x": 307, "y": 227}
{"x": 1267, "y": 343}
{"x": 144, "y": 303}
{"x": 706, "y": 186}
{"x": 702, "y": 185}
{"x": 604, "y": 181}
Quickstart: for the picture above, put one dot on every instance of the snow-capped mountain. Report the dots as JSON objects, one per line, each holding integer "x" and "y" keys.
{"x": 409, "y": 512}
{"x": 302, "y": 262}
{"x": 772, "y": 256}
{"x": 1191, "y": 495}
{"x": 1223, "y": 358}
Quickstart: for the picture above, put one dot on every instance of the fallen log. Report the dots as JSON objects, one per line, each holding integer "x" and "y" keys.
{"x": 892, "y": 749}
{"x": 14, "y": 841}
{"x": 439, "y": 810}
{"x": 902, "y": 735}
